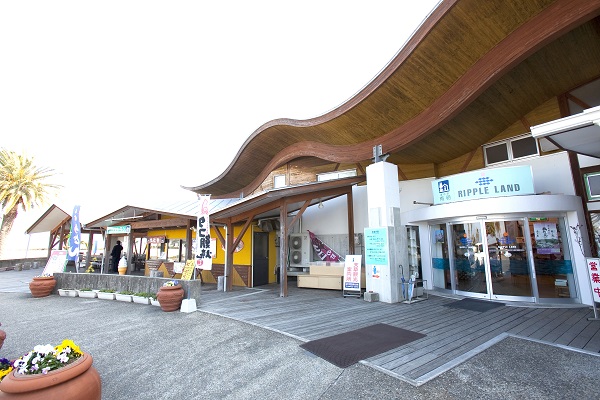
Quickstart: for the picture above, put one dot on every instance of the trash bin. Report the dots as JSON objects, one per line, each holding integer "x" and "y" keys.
{"x": 220, "y": 283}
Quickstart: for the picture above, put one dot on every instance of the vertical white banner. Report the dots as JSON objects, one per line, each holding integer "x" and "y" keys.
{"x": 203, "y": 243}
{"x": 593, "y": 266}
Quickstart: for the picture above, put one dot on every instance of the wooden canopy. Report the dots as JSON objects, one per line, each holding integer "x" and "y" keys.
{"x": 473, "y": 71}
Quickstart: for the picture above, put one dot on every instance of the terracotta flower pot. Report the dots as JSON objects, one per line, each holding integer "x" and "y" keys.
{"x": 79, "y": 380}
{"x": 170, "y": 297}
{"x": 42, "y": 286}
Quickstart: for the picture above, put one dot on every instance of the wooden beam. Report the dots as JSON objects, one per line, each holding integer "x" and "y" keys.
{"x": 283, "y": 250}
{"x": 578, "y": 101}
{"x": 401, "y": 173}
{"x": 242, "y": 232}
{"x": 297, "y": 216}
{"x": 229, "y": 250}
{"x": 220, "y": 236}
{"x": 350, "y": 206}
{"x": 161, "y": 223}
{"x": 468, "y": 160}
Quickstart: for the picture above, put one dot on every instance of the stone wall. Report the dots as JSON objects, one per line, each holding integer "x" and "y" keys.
{"x": 121, "y": 283}
{"x": 25, "y": 263}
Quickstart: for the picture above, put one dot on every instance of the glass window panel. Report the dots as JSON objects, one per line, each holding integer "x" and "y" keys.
{"x": 524, "y": 147}
{"x": 552, "y": 260}
{"x": 496, "y": 154}
{"x": 440, "y": 258}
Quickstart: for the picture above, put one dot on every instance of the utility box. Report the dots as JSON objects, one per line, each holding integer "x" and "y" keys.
{"x": 371, "y": 296}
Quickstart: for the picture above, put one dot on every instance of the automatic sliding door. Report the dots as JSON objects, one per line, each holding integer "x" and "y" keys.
{"x": 509, "y": 259}
{"x": 469, "y": 258}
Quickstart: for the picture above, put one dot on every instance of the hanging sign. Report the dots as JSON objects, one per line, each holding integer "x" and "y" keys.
{"x": 203, "y": 243}
{"x": 112, "y": 230}
{"x": 75, "y": 236}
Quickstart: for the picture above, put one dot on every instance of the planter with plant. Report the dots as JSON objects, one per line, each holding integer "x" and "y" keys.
{"x": 154, "y": 299}
{"x": 106, "y": 294}
{"x": 67, "y": 292}
{"x": 2, "y": 337}
{"x": 124, "y": 295}
{"x": 62, "y": 372}
{"x": 141, "y": 297}
{"x": 170, "y": 296}
{"x": 88, "y": 293}
{"x": 42, "y": 285}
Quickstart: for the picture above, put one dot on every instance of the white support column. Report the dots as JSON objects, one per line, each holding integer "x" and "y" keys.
{"x": 385, "y": 233}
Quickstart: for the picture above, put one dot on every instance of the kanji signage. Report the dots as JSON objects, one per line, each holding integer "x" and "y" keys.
{"x": 203, "y": 242}
{"x": 593, "y": 267}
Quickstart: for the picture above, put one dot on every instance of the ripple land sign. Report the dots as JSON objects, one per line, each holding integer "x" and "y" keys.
{"x": 482, "y": 184}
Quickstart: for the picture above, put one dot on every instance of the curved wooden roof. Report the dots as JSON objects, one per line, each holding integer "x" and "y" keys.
{"x": 471, "y": 70}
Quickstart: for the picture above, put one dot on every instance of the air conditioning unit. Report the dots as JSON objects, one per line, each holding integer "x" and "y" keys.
{"x": 299, "y": 250}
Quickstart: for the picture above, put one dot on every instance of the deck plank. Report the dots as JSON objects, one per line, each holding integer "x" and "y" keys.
{"x": 309, "y": 314}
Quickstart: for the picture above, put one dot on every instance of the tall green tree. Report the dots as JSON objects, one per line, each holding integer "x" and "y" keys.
{"x": 23, "y": 186}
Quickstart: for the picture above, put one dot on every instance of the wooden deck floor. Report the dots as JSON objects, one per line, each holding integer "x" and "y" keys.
{"x": 453, "y": 335}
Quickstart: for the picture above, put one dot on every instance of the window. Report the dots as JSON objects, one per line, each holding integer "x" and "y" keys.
{"x": 278, "y": 181}
{"x": 511, "y": 149}
{"x": 592, "y": 185}
{"x": 336, "y": 175}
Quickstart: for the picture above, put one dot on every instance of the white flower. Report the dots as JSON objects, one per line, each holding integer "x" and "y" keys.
{"x": 43, "y": 349}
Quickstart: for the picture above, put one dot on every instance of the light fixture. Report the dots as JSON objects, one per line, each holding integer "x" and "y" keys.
{"x": 321, "y": 204}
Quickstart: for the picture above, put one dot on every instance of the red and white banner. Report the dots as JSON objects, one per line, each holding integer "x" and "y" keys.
{"x": 203, "y": 248}
{"x": 322, "y": 250}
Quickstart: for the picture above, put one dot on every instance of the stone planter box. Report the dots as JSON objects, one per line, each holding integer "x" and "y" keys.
{"x": 106, "y": 296}
{"x": 67, "y": 292}
{"x": 123, "y": 297}
{"x": 90, "y": 294}
{"x": 140, "y": 300}
{"x": 154, "y": 302}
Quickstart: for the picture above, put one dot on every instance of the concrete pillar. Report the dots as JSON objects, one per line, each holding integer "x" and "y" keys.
{"x": 386, "y": 254}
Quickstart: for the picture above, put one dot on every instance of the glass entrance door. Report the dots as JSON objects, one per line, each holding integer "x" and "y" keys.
{"x": 490, "y": 259}
{"x": 508, "y": 259}
{"x": 469, "y": 258}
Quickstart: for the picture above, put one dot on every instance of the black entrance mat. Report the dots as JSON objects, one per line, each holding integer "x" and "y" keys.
{"x": 474, "y": 305}
{"x": 345, "y": 349}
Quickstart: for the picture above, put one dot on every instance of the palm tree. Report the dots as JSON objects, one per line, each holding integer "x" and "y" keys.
{"x": 21, "y": 187}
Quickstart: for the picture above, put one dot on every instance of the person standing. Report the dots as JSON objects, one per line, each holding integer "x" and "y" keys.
{"x": 115, "y": 254}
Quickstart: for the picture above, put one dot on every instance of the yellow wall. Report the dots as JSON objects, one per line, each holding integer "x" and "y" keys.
{"x": 242, "y": 257}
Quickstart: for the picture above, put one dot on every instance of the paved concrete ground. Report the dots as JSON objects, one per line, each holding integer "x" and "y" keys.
{"x": 142, "y": 352}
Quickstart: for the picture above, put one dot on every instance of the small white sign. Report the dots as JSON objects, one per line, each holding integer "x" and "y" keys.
{"x": 593, "y": 266}
{"x": 56, "y": 262}
{"x": 352, "y": 272}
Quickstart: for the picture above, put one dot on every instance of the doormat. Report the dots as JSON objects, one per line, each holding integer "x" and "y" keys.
{"x": 474, "y": 305}
{"x": 346, "y": 349}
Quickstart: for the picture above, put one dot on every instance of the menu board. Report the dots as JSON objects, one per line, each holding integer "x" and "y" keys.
{"x": 56, "y": 262}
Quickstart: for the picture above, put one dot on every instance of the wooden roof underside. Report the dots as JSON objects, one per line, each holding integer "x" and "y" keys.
{"x": 469, "y": 72}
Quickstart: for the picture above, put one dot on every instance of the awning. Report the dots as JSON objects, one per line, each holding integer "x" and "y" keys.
{"x": 579, "y": 133}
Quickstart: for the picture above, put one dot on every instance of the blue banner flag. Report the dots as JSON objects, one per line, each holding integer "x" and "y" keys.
{"x": 75, "y": 237}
